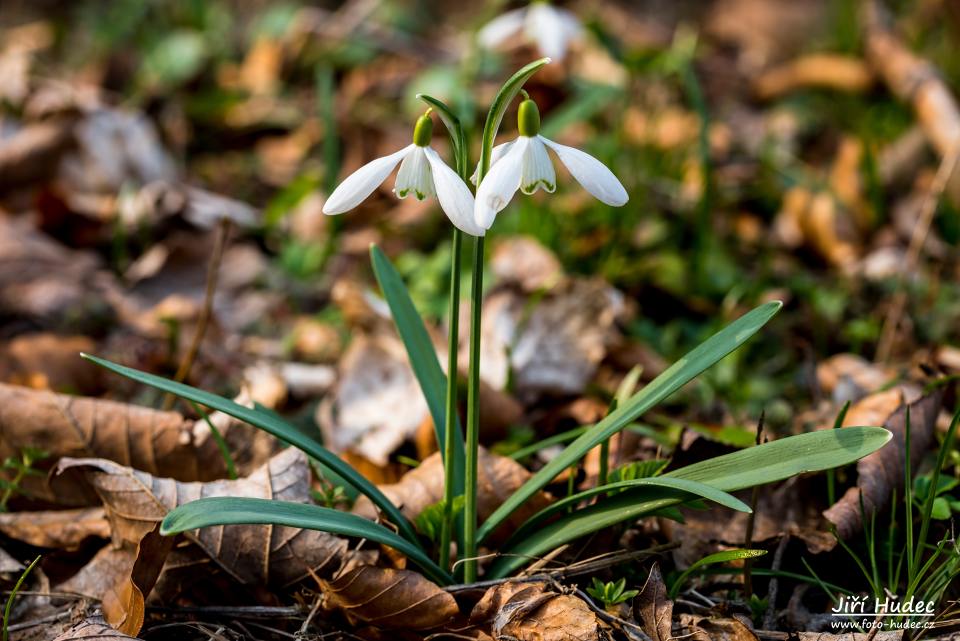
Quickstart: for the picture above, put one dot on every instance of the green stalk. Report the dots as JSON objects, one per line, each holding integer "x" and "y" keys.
{"x": 473, "y": 413}
{"x": 507, "y": 93}
{"x": 446, "y": 527}
{"x": 450, "y": 488}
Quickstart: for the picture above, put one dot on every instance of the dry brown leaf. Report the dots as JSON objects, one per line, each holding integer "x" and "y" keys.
{"x": 49, "y": 361}
{"x": 889, "y": 635}
{"x": 161, "y": 443}
{"x": 498, "y": 478}
{"x": 388, "y": 598}
{"x": 554, "y": 348}
{"x": 850, "y": 377}
{"x": 124, "y": 604}
{"x": 253, "y": 554}
{"x": 532, "y": 612}
{"x": 377, "y": 404}
{"x": 716, "y": 629}
{"x": 879, "y": 473}
{"x": 31, "y": 154}
{"x": 526, "y": 262}
{"x": 58, "y": 529}
{"x": 652, "y": 607}
{"x": 47, "y": 283}
{"x": 93, "y": 629}
{"x": 821, "y": 70}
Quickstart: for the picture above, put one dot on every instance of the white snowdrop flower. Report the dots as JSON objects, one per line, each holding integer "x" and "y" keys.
{"x": 550, "y": 28}
{"x": 422, "y": 173}
{"x": 524, "y": 164}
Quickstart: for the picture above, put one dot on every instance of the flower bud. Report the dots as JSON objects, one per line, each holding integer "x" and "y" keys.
{"x": 528, "y": 118}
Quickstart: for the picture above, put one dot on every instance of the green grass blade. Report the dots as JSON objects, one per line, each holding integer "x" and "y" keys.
{"x": 236, "y": 511}
{"x": 13, "y": 595}
{"x": 422, "y": 355}
{"x": 757, "y": 465}
{"x": 713, "y": 559}
{"x": 684, "y": 485}
{"x": 678, "y": 375}
{"x": 786, "y": 457}
{"x": 271, "y": 423}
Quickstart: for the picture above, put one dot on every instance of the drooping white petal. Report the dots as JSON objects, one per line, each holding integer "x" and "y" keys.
{"x": 500, "y": 28}
{"x": 536, "y": 170}
{"x": 415, "y": 176}
{"x": 495, "y": 154}
{"x": 591, "y": 173}
{"x": 551, "y": 29}
{"x": 361, "y": 183}
{"x": 454, "y": 196}
{"x": 500, "y": 184}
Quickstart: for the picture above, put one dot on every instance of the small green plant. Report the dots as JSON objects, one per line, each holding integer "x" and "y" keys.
{"x": 631, "y": 497}
{"x": 13, "y": 595}
{"x": 712, "y": 559}
{"x": 905, "y": 560}
{"x": 610, "y": 593}
{"x": 430, "y": 521}
{"x": 330, "y": 495}
{"x": 19, "y": 468}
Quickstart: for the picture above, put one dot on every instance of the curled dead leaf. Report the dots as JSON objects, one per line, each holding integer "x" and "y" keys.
{"x": 533, "y": 612}
{"x": 828, "y": 71}
{"x": 389, "y": 598}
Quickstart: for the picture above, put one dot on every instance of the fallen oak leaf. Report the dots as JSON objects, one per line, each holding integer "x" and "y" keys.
{"x": 389, "y": 598}
{"x": 879, "y": 473}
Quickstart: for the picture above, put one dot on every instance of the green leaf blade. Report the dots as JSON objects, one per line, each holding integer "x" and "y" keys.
{"x": 675, "y": 377}
{"x": 422, "y": 355}
{"x": 208, "y": 512}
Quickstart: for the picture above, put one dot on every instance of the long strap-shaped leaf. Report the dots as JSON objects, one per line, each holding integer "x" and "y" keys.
{"x": 236, "y": 511}
{"x": 271, "y": 423}
{"x": 694, "y": 488}
{"x": 786, "y": 457}
{"x": 675, "y": 377}
{"x": 757, "y": 465}
{"x": 420, "y": 351}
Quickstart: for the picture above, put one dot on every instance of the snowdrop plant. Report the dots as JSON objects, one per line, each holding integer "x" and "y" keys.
{"x": 523, "y": 165}
{"x": 549, "y": 28}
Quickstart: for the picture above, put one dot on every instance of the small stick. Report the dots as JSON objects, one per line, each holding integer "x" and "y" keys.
{"x": 213, "y": 271}
{"x": 773, "y": 588}
{"x": 919, "y": 236}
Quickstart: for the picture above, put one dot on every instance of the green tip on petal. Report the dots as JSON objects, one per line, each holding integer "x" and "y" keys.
{"x": 528, "y": 118}
{"x": 423, "y": 131}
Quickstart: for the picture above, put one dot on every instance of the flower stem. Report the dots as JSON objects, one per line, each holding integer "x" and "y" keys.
{"x": 449, "y": 491}
{"x": 473, "y": 420}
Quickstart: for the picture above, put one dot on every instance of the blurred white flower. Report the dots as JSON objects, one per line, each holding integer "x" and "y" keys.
{"x": 422, "y": 173}
{"x": 550, "y": 28}
{"x": 525, "y": 165}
